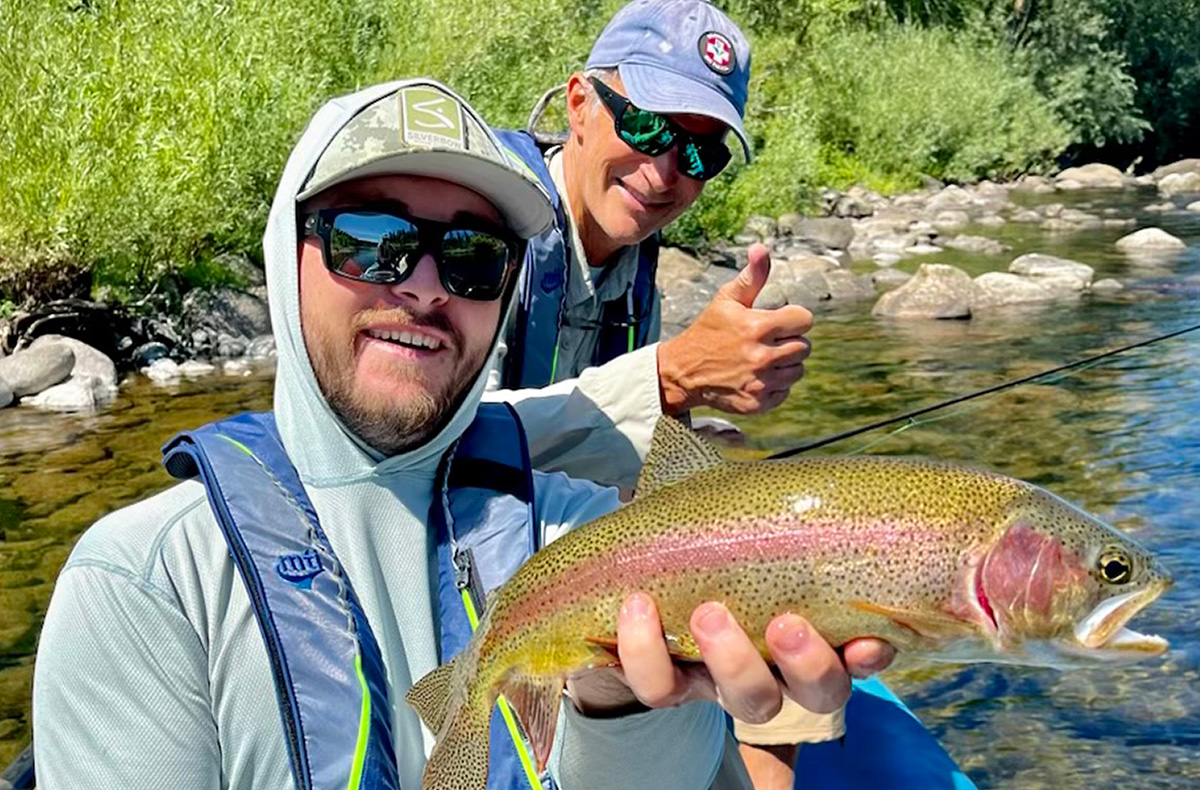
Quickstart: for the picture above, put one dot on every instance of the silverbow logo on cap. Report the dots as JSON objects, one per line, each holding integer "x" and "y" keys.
{"x": 430, "y": 118}
{"x": 717, "y": 52}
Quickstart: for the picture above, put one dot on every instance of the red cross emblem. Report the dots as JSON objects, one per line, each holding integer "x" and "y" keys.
{"x": 717, "y": 52}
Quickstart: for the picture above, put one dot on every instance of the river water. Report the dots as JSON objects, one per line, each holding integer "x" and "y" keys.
{"x": 1121, "y": 439}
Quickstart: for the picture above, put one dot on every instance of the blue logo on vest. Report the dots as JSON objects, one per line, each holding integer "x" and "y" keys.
{"x": 551, "y": 281}
{"x": 299, "y": 569}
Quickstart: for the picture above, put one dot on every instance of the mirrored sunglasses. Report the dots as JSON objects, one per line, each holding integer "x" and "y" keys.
{"x": 701, "y": 156}
{"x": 385, "y": 246}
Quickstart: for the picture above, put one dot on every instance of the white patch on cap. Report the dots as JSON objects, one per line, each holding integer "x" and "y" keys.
{"x": 717, "y": 52}
{"x": 665, "y": 46}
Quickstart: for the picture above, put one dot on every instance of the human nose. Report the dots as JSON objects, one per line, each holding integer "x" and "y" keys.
{"x": 423, "y": 286}
{"x": 664, "y": 170}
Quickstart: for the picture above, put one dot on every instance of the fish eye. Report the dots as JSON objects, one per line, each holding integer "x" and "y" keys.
{"x": 1115, "y": 566}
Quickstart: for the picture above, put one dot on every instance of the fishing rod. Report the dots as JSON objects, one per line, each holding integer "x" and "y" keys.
{"x": 908, "y": 416}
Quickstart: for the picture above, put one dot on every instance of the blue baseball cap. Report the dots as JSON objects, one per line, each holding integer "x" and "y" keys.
{"x": 679, "y": 56}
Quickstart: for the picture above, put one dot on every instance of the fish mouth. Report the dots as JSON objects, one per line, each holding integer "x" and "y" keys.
{"x": 1102, "y": 633}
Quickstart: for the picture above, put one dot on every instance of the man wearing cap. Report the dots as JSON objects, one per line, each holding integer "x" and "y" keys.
{"x": 258, "y": 624}
{"x": 664, "y": 86}
{"x": 664, "y": 89}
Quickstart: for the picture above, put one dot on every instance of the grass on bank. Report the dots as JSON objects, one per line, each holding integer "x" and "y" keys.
{"x": 143, "y": 138}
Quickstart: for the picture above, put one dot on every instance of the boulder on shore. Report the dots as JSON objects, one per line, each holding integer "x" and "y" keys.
{"x": 32, "y": 370}
{"x": 1094, "y": 176}
{"x": 1149, "y": 239}
{"x": 935, "y": 291}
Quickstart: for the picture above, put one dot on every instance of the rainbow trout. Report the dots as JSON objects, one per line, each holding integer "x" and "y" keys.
{"x": 945, "y": 562}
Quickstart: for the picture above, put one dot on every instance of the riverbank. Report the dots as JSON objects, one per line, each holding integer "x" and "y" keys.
{"x": 944, "y": 252}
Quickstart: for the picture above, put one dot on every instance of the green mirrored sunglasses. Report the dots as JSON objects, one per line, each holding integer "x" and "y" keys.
{"x": 701, "y": 156}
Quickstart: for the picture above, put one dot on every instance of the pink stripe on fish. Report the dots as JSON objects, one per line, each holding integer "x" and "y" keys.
{"x": 711, "y": 547}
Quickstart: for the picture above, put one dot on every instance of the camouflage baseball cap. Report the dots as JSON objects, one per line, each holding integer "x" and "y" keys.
{"x": 425, "y": 129}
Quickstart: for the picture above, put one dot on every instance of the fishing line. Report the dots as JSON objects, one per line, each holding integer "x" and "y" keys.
{"x": 910, "y": 417}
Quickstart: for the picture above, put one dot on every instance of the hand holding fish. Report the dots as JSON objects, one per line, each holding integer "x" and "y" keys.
{"x": 943, "y": 562}
{"x": 732, "y": 671}
{"x": 734, "y": 357}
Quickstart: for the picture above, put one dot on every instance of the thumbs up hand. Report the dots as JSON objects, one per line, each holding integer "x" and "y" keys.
{"x": 733, "y": 357}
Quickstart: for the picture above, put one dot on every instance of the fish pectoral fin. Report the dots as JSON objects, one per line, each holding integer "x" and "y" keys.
{"x": 608, "y": 643}
{"x": 927, "y": 624}
{"x": 430, "y": 694}
{"x": 535, "y": 701}
{"x": 681, "y": 647}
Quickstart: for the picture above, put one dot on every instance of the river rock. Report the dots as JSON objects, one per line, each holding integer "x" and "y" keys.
{"x": 146, "y": 353}
{"x": 831, "y": 233}
{"x": 888, "y": 279}
{"x": 88, "y": 361}
{"x": 32, "y": 370}
{"x": 1179, "y": 184}
{"x": 1093, "y": 176}
{"x": 1058, "y": 274}
{"x": 194, "y": 368}
{"x": 802, "y": 280}
{"x": 163, "y": 369}
{"x": 1080, "y": 218}
{"x": 935, "y": 291}
{"x": 952, "y": 197}
{"x": 237, "y": 367}
{"x": 227, "y": 310}
{"x": 845, "y": 285}
{"x": 977, "y": 244}
{"x": 78, "y": 393}
{"x": 261, "y": 347}
{"x": 228, "y": 346}
{"x": 771, "y": 297}
{"x": 1069, "y": 185}
{"x": 1001, "y": 289}
{"x": 952, "y": 220}
{"x": 1026, "y": 215}
{"x": 244, "y": 269}
{"x": 1182, "y": 166}
{"x": 6, "y": 394}
{"x": 1149, "y": 239}
{"x": 1107, "y": 285}
{"x": 1193, "y": 206}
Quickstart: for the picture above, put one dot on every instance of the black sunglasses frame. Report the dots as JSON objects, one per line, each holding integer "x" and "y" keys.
{"x": 431, "y": 236}
{"x": 704, "y": 146}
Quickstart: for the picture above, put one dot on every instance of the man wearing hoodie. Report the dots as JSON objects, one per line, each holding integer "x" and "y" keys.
{"x": 231, "y": 631}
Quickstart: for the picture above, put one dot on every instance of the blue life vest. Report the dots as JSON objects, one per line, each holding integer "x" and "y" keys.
{"x": 624, "y": 323}
{"x": 325, "y": 661}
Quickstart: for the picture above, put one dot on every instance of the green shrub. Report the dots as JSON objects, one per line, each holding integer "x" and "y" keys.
{"x": 144, "y": 138}
{"x": 141, "y": 135}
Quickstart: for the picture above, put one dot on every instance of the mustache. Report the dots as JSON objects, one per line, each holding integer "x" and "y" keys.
{"x": 434, "y": 319}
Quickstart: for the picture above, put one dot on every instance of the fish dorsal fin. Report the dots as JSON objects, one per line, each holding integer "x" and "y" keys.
{"x": 676, "y": 453}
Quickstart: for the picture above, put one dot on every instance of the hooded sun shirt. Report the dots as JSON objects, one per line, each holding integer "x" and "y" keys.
{"x": 151, "y": 671}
